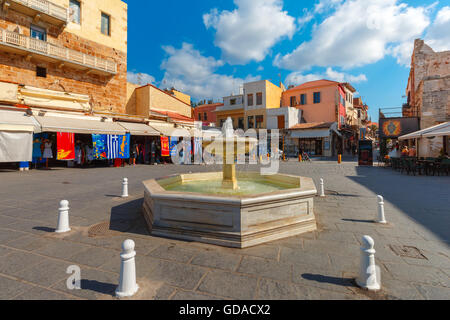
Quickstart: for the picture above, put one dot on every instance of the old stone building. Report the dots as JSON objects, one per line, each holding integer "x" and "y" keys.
{"x": 428, "y": 89}
{"x": 67, "y": 46}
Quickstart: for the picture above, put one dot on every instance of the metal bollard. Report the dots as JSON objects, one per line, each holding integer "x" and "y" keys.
{"x": 127, "y": 281}
{"x": 369, "y": 273}
{"x": 125, "y": 188}
{"x": 322, "y": 188}
{"x": 381, "y": 217}
{"x": 63, "y": 217}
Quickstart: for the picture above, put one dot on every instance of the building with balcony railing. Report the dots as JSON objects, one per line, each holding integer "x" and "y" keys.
{"x": 78, "y": 47}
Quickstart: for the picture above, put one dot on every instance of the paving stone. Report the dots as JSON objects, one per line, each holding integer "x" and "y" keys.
{"x": 18, "y": 261}
{"x": 189, "y": 295}
{"x": 292, "y": 242}
{"x": 29, "y": 243}
{"x": 12, "y": 288}
{"x": 164, "y": 292}
{"x": 316, "y": 259}
{"x": 222, "y": 283}
{"x": 401, "y": 290}
{"x": 4, "y": 251}
{"x": 61, "y": 249}
{"x": 420, "y": 274}
{"x": 325, "y": 246}
{"x": 37, "y": 293}
{"x": 269, "y": 289}
{"x": 324, "y": 278}
{"x": 5, "y": 220}
{"x": 330, "y": 235}
{"x": 434, "y": 293}
{"x": 177, "y": 274}
{"x": 7, "y": 235}
{"x": 266, "y": 268}
{"x": 262, "y": 251}
{"x": 46, "y": 273}
{"x": 95, "y": 285}
{"x": 173, "y": 252}
{"x": 94, "y": 257}
{"x": 217, "y": 260}
{"x": 344, "y": 263}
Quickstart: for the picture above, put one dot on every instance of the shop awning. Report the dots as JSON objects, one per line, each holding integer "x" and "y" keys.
{"x": 18, "y": 121}
{"x": 310, "y": 134}
{"x": 139, "y": 129}
{"x": 440, "y": 130}
{"x": 163, "y": 130}
{"x": 87, "y": 125}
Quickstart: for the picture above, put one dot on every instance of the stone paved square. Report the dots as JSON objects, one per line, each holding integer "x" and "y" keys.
{"x": 317, "y": 265}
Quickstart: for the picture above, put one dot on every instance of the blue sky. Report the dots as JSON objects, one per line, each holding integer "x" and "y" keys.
{"x": 209, "y": 48}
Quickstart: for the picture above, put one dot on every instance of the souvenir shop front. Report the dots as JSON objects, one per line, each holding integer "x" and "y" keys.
{"x": 79, "y": 141}
{"x": 145, "y": 143}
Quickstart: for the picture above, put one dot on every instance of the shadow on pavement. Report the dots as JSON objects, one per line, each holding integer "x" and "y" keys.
{"x": 45, "y": 229}
{"x": 99, "y": 287}
{"x": 345, "y": 282}
{"x": 425, "y": 199}
{"x": 127, "y": 217}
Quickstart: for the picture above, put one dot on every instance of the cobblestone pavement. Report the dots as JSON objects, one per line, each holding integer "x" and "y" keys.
{"x": 317, "y": 265}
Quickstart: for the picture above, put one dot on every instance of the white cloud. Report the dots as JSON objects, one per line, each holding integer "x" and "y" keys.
{"x": 297, "y": 78}
{"x": 188, "y": 70}
{"x": 251, "y": 30}
{"x": 140, "y": 78}
{"x": 358, "y": 32}
{"x": 438, "y": 35}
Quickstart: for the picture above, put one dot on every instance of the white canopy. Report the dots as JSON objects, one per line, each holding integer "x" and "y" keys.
{"x": 139, "y": 129}
{"x": 440, "y": 130}
{"x": 18, "y": 121}
{"x": 79, "y": 124}
{"x": 310, "y": 133}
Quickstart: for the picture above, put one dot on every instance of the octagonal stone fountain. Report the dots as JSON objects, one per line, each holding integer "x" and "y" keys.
{"x": 230, "y": 209}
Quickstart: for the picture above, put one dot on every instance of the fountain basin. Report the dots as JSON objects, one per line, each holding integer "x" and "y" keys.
{"x": 230, "y": 218}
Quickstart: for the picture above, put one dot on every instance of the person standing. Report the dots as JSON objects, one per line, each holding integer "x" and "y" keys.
{"x": 48, "y": 152}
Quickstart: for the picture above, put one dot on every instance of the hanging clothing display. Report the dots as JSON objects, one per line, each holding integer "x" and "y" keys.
{"x": 78, "y": 154}
{"x": 65, "y": 146}
{"x": 100, "y": 146}
{"x": 173, "y": 146}
{"x": 16, "y": 146}
{"x": 198, "y": 148}
{"x": 165, "y": 152}
{"x": 48, "y": 152}
{"x": 118, "y": 146}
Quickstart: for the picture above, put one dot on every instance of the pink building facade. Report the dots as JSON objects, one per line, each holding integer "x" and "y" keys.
{"x": 206, "y": 114}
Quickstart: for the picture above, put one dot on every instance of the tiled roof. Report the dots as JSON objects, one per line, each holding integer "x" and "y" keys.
{"x": 312, "y": 84}
{"x": 174, "y": 116}
{"x": 312, "y": 125}
{"x": 209, "y": 105}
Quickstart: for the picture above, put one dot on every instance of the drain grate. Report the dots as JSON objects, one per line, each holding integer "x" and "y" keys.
{"x": 109, "y": 228}
{"x": 407, "y": 252}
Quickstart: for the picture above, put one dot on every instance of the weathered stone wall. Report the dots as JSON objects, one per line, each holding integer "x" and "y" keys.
{"x": 435, "y": 102}
{"x": 108, "y": 93}
{"x": 429, "y": 85}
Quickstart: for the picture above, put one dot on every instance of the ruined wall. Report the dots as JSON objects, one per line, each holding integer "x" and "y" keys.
{"x": 429, "y": 85}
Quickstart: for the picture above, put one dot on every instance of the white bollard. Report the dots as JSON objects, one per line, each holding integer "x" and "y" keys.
{"x": 63, "y": 217}
{"x": 369, "y": 273}
{"x": 125, "y": 188}
{"x": 322, "y": 188}
{"x": 127, "y": 281}
{"x": 381, "y": 217}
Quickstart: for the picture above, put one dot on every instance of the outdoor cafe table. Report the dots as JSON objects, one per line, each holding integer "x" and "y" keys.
{"x": 428, "y": 164}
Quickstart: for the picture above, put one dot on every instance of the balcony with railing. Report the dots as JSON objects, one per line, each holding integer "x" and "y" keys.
{"x": 39, "y": 10}
{"x": 43, "y": 50}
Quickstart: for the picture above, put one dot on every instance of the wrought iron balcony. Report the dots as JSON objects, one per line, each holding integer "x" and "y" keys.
{"x": 39, "y": 10}
{"x": 43, "y": 50}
